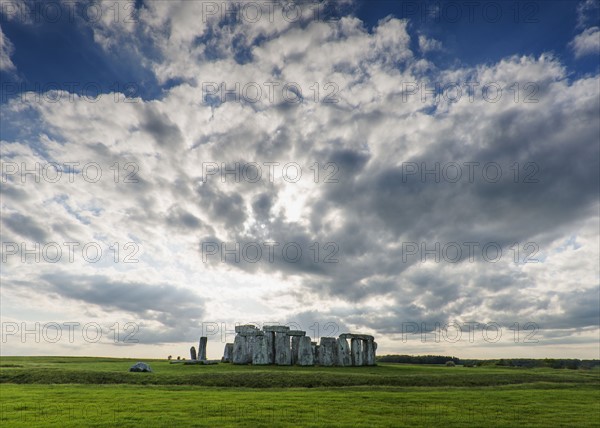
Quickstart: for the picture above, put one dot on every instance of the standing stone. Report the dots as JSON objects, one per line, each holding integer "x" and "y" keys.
{"x": 193, "y": 353}
{"x": 315, "y": 352}
{"x": 249, "y": 347}
{"x": 343, "y": 353}
{"x": 240, "y": 352}
{"x": 370, "y": 353}
{"x": 355, "y": 352}
{"x": 364, "y": 357}
{"x": 260, "y": 351}
{"x": 227, "y": 353}
{"x": 327, "y": 351}
{"x": 283, "y": 353}
{"x": 305, "y": 352}
{"x": 202, "y": 348}
{"x": 270, "y": 338}
{"x": 295, "y": 343}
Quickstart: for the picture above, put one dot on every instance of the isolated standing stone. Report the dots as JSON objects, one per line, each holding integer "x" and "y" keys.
{"x": 260, "y": 352}
{"x": 355, "y": 352}
{"x": 343, "y": 353}
{"x": 202, "y": 348}
{"x": 240, "y": 351}
{"x": 193, "y": 353}
{"x": 305, "y": 352}
{"x": 327, "y": 351}
{"x": 227, "y": 353}
{"x": 283, "y": 353}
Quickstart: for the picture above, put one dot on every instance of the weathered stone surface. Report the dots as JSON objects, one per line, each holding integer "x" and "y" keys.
{"x": 296, "y": 333}
{"x": 202, "y": 348}
{"x": 370, "y": 354}
{"x": 283, "y": 353}
{"x": 327, "y": 351}
{"x": 276, "y": 328}
{"x": 227, "y": 353}
{"x": 260, "y": 351}
{"x": 193, "y": 355}
{"x": 305, "y": 352}
{"x": 356, "y": 352}
{"x": 295, "y": 342}
{"x": 314, "y": 347}
{"x": 356, "y": 336}
{"x": 244, "y": 329}
{"x": 240, "y": 350}
{"x": 140, "y": 367}
{"x": 270, "y": 337}
{"x": 363, "y": 352}
{"x": 343, "y": 353}
{"x": 250, "y": 339}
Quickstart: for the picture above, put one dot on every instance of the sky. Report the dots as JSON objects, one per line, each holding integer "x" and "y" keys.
{"x": 423, "y": 171}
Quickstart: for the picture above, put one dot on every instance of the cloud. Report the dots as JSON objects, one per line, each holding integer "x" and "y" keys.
{"x": 6, "y": 51}
{"x": 377, "y": 168}
{"x": 586, "y": 43}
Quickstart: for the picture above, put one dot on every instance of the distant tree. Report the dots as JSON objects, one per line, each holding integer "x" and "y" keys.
{"x": 169, "y": 357}
{"x": 178, "y": 357}
{"x": 450, "y": 364}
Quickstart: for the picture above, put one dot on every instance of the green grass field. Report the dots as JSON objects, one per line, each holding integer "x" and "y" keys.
{"x": 100, "y": 392}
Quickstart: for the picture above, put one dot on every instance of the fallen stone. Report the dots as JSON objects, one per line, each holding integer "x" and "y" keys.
{"x": 140, "y": 367}
{"x": 305, "y": 352}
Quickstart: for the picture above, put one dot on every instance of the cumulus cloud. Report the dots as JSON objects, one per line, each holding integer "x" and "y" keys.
{"x": 587, "y": 43}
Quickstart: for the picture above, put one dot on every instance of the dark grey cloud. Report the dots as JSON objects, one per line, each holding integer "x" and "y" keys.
{"x": 25, "y": 226}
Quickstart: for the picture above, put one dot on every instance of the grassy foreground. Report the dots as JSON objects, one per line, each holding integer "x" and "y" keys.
{"x": 99, "y": 392}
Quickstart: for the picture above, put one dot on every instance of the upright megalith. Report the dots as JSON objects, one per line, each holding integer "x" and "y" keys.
{"x": 260, "y": 351}
{"x": 193, "y": 353}
{"x": 227, "y": 353}
{"x": 295, "y": 345}
{"x": 370, "y": 353}
{"x": 283, "y": 353}
{"x": 343, "y": 352}
{"x": 270, "y": 338}
{"x": 356, "y": 351}
{"x": 295, "y": 335}
{"x": 202, "y": 349}
{"x": 327, "y": 351}
{"x": 305, "y": 351}
{"x": 240, "y": 351}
